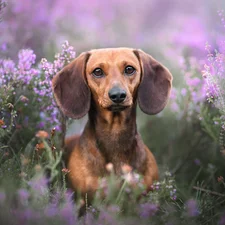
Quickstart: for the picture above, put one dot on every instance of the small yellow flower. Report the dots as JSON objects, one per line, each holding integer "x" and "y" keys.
{"x": 38, "y": 168}
{"x": 23, "y": 174}
{"x": 39, "y": 146}
{"x": 24, "y": 160}
{"x": 126, "y": 169}
{"x": 109, "y": 167}
{"x": 42, "y": 134}
{"x": 2, "y": 122}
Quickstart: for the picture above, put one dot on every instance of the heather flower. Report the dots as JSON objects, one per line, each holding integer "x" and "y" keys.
{"x": 39, "y": 184}
{"x": 103, "y": 185}
{"x": 23, "y": 195}
{"x": 115, "y": 209}
{"x": 24, "y": 72}
{"x": 222, "y": 220}
{"x": 68, "y": 211}
{"x": 168, "y": 174}
{"x": 2, "y": 196}
{"x": 24, "y": 99}
{"x": 173, "y": 194}
{"x": 187, "y": 101}
{"x": 192, "y": 208}
{"x": 65, "y": 170}
{"x": 89, "y": 219}
{"x": 156, "y": 186}
{"x": 183, "y": 92}
{"x": 41, "y": 125}
{"x": 61, "y": 59}
{"x": 106, "y": 218}
{"x": 26, "y": 59}
{"x": 197, "y": 162}
{"x": 213, "y": 73}
{"x": 132, "y": 178}
{"x": 51, "y": 210}
{"x": 221, "y": 15}
{"x": 173, "y": 94}
{"x": 42, "y": 85}
{"x": 147, "y": 210}
{"x": 7, "y": 68}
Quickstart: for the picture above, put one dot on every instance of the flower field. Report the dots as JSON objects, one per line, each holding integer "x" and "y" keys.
{"x": 38, "y": 38}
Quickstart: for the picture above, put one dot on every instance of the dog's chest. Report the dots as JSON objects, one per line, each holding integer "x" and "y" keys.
{"x": 121, "y": 150}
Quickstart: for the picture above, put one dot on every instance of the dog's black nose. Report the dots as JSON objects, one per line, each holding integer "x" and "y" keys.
{"x": 117, "y": 95}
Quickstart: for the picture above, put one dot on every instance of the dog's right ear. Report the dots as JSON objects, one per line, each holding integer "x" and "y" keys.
{"x": 71, "y": 91}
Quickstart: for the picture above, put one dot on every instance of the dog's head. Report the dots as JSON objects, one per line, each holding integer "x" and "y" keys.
{"x": 115, "y": 78}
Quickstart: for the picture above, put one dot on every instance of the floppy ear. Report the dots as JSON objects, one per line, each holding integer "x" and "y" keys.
{"x": 155, "y": 86}
{"x": 70, "y": 88}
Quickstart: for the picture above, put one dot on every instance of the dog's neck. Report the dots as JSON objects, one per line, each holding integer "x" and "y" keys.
{"x": 114, "y": 133}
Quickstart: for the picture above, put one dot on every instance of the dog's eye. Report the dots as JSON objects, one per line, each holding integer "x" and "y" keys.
{"x": 98, "y": 72}
{"x": 129, "y": 70}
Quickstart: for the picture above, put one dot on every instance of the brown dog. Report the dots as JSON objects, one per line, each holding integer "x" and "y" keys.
{"x": 107, "y": 84}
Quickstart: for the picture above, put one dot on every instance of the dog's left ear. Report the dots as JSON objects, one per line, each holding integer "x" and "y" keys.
{"x": 155, "y": 86}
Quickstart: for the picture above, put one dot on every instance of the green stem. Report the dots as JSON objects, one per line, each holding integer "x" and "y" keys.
{"x": 121, "y": 191}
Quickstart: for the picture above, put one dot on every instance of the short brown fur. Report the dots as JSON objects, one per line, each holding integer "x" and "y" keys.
{"x": 110, "y": 135}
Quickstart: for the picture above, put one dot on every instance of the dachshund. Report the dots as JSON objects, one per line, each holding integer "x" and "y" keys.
{"x": 108, "y": 84}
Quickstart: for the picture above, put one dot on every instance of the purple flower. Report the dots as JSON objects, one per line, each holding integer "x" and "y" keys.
{"x": 194, "y": 82}
{"x": 173, "y": 94}
{"x": 197, "y": 162}
{"x": 51, "y": 210}
{"x": 183, "y": 91}
{"x": 2, "y": 197}
{"x": 105, "y": 218}
{"x": 192, "y": 208}
{"x": 222, "y": 220}
{"x": 39, "y": 184}
{"x": 68, "y": 213}
{"x": 41, "y": 125}
{"x": 24, "y": 99}
{"x": 23, "y": 194}
{"x": 7, "y": 69}
{"x": 26, "y": 59}
{"x": 42, "y": 87}
{"x": 147, "y": 210}
{"x": 174, "y": 107}
{"x": 173, "y": 194}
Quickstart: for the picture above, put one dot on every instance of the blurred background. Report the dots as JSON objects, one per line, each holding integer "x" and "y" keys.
{"x": 187, "y": 137}
{"x": 164, "y": 27}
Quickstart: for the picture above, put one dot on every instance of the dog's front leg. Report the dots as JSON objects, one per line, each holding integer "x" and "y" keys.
{"x": 151, "y": 170}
